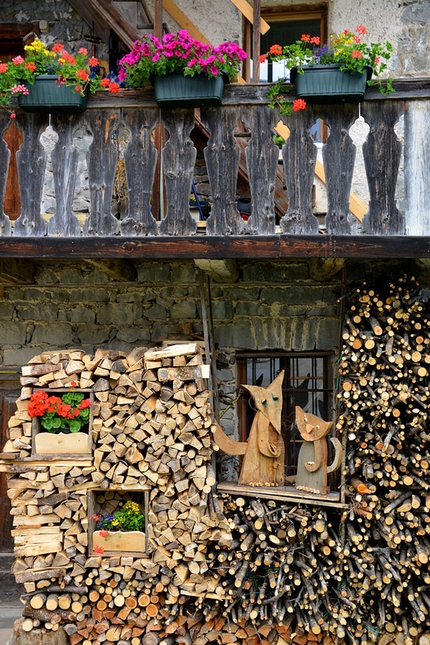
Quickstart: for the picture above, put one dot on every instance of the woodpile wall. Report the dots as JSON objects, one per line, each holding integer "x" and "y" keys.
{"x": 218, "y": 568}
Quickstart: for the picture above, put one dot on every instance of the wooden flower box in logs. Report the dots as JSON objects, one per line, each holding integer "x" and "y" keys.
{"x": 63, "y": 443}
{"x": 46, "y": 443}
{"x": 128, "y": 541}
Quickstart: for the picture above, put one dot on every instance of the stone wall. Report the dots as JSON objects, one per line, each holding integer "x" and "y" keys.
{"x": 274, "y": 305}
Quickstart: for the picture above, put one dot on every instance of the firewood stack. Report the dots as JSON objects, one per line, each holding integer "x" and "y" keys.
{"x": 151, "y": 431}
{"x": 227, "y": 569}
{"x": 383, "y": 404}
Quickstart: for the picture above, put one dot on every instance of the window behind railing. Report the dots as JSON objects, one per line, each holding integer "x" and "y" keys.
{"x": 307, "y": 383}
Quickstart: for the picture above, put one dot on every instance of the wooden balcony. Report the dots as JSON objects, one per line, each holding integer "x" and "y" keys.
{"x": 238, "y": 148}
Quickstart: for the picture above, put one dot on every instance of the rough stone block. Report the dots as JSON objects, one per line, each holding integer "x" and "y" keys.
{"x": 13, "y": 333}
{"x": 115, "y": 313}
{"x": 56, "y": 335}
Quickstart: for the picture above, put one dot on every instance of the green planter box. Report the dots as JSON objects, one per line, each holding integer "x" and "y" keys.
{"x": 327, "y": 84}
{"x": 176, "y": 90}
{"x": 46, "y": 95}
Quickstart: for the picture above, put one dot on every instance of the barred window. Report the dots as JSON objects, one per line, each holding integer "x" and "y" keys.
{"x": 307, "y": 383}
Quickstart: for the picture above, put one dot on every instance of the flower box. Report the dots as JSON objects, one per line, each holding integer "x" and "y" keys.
{"x": 77, "y": 443}
{"x": 46, "y": 95}
{"x": 328, "y": 84}
{"x": 128, "y": 541}
{"x": 62, "y": 442}
{"x": 179, "y": 91}
{"x": 106, "y": 505}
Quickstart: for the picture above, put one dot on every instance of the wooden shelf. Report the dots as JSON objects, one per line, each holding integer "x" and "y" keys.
{"x": 282, "y": 493}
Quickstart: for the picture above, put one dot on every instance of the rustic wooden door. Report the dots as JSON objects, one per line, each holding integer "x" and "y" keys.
{"x": 7, "y": 408}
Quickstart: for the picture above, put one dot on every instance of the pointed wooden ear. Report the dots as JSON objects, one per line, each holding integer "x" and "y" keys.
{"x": 299, "y": 413}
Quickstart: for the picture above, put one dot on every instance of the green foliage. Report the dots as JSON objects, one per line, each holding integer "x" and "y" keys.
{"x": 345, "y": 49}
{"x": 128, "y": 518}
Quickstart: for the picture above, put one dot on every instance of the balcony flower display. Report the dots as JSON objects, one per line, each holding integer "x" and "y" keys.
{"x": 70, "y": 411}
{"x": 181, "y": 55}
{"x": 79, "y": 71}
{"x": 121, "y": 530}
{"x": 178, "y": 52}
{"x": 347, "y": 51}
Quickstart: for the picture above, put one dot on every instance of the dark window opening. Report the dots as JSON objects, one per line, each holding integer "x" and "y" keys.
{"x": 286, "y": 32}
{"x": 307, "y": 383}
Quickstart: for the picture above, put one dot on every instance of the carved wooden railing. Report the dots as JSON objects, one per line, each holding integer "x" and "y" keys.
{"x": 244, "y": 112}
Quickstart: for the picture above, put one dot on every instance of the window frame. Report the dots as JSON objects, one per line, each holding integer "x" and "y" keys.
{"x": 286, "y": 357}
{"x": 284, "y": 14}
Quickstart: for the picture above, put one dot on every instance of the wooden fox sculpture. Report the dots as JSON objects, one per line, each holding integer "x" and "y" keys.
{"x": 312, "y": 466}
{"x": 263, "y": 453}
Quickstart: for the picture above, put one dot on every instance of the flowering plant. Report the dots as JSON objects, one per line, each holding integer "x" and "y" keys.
{"x": 178, "y": 52}
{"x": 72, "y": 410}
{"x": 128, "y": 518}
{"x": 79, "y": 71}
{"x": 345, "y": 49}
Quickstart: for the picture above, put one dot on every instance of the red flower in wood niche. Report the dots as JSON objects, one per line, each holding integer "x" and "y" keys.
{"x": 71, "y": 410}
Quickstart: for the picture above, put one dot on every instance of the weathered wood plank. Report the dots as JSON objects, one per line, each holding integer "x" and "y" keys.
{"x": 64, "y": 168}
{"x": 222, "y": 161}
{"x": 262, "y": 164}
{"x": 339, "y": 158}
{"x": 178, "y": 158}
{"x": 101, "y": 159}
{"x": 210, "y": 246}
{"x": 417, "y": 167}
{"x": 299, "y": 154}
{"x": 32, "y": 156}
{"x": 140, "y": 160}
{"x": 382, "y": 152}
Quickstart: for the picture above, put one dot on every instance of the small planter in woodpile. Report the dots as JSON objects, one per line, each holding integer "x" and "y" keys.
{"x": 128, "y": 541}
{"x": 63, "y": 442}
{"x": 108, "y": 532}
{"x": 46, "y": 443}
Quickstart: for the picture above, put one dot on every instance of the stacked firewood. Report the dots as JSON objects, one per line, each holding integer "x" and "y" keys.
{"x": 383, "y": 404}
{"x": 151, "y": 435}
{"x": 229, "y": 569}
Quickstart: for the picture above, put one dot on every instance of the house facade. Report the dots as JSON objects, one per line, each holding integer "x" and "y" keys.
{"x": 96, "y": 257}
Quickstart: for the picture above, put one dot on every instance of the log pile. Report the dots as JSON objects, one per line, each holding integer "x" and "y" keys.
{"x": 383, "y": 403}
{"x": 151, "y": 435}
{"x": 227, "y": 569}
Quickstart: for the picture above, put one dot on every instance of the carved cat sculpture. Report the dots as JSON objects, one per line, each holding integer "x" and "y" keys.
{"x": 312, "y": 466}
{"x": 263, "y": 453}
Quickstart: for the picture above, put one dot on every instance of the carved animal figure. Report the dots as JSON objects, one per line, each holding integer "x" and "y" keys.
{"x": 263, "y": 453}
{"x": 312, "y": 466}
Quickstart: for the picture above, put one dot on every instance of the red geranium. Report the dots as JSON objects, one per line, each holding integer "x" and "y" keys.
{"x": 72, "y": 410}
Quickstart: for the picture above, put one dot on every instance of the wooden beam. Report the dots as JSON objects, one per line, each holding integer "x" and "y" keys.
{"x": 248, "y": 12}
{"x": 247, "y": 247}
{"x": 106, "y": 16}
{"x": 17, "y": 271}
{"x": 256, "y": 42}
{"x": 322, "y": 269}
{"x": 158, "y": 19}
{"x": 183, "y": 21}
{"x": 119, "y": 270}
{"x": 225, "y": 270}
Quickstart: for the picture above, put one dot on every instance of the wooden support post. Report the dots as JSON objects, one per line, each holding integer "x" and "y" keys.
{"x": 256, "y": 42}
{"x": 208, "y": 332}
{"x": 158, "y": 19}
